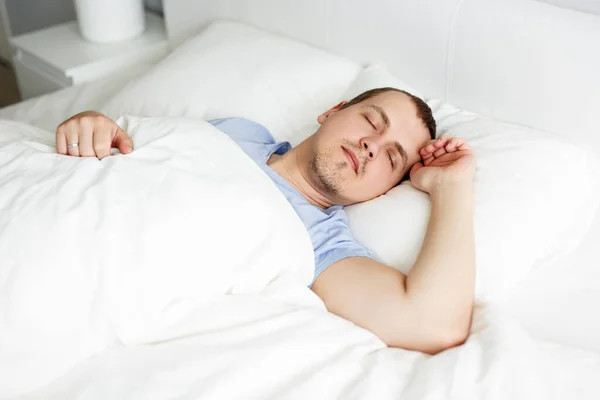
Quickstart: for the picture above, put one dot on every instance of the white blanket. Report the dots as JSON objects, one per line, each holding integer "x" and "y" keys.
{"x": 119, "y": 251}
{"x": 180, "y": 272}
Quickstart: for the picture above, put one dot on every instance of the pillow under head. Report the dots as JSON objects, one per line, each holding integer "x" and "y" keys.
{"x": 535, "y": 196}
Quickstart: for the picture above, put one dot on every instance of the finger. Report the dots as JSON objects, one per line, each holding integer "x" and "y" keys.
{"x": 61, "y": 140}
{"x": 430, "y": 148}
{"x": 122, "y": 141}
{"x": 454, "y": 143}
{"x": 451, "y": 144}
{"x": 437, "y": 148}
{"x": 102, "y": 143}
{"x": 72, "y": 135}
{"x": 439, "y": 152}
{"x": 433, "y": 145}
{"x": 423, "y": 150}
{"x": 428, "y": 161}
{"x": 449, "y": 158}
{"x": 442, "y": 141}
{"x": 464, "y": 146}
{"x": 86, "y": 134}
{"x": 428, "y": 156}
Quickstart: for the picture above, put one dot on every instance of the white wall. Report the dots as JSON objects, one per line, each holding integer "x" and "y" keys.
{"x": 5, "y": 51}
{"x": 30, "y": 15}
{"x": 590, "y": 6}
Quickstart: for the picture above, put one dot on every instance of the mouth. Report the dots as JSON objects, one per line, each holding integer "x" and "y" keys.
{"x": 352, "y": 159}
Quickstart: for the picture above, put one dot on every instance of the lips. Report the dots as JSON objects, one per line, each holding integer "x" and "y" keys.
{"x": 352, "y": 158}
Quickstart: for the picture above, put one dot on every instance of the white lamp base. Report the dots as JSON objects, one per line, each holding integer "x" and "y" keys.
{"x": 110, "y": 20}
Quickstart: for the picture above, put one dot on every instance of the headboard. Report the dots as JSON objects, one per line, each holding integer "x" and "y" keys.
{"x": 522, "y": 61}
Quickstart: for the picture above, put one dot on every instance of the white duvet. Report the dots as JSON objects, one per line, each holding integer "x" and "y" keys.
{"x": 180, "y": 272}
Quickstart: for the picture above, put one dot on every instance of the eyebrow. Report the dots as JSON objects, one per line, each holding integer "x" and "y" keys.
{"x": 402, "y": 153}
{"x": 382, "y": 113}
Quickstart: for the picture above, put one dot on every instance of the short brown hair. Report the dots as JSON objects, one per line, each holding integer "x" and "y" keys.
{"x": 423, "y": 111}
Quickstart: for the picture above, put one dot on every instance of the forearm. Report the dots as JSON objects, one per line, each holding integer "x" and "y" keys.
{"x": 441, "y": 284}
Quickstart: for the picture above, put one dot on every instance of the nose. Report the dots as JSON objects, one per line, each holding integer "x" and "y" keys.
{"x": 370, "y": 146}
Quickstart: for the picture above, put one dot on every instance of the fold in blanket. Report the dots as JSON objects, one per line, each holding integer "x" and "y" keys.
{"x": 97, "y": 253}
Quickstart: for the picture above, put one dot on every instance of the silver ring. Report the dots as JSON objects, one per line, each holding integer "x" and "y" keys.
{"x": 70, "y": 146}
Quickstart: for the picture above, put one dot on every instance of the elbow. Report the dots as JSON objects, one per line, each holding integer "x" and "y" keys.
{"x": 447, "y": 336}
{"x": 442, "y": 340}
{"x": 450, "y": 338}
{"x": 452, "y": 334}
{"x": 436, "y": 340}
{"x": 432, "y": 334}
{"x": 432, "y": 344}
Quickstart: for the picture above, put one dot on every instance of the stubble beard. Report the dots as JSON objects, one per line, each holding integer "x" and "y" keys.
{"x": 330, "y": 176}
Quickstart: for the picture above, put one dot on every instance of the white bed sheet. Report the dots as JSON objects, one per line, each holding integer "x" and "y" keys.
{"x": 559, "y": 302}
{"x": 557, "y": 307}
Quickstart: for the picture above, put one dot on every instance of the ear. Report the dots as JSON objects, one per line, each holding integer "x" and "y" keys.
{"x": 321, "y": 118}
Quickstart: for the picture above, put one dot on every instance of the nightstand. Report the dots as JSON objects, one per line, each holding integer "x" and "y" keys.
{"x": 57, "y": 57}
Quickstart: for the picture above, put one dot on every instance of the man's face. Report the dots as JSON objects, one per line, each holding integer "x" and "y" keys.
{"x": 362, "y": 151}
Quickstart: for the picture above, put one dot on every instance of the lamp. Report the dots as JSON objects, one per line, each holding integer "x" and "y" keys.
{"x": 110, "y": 20}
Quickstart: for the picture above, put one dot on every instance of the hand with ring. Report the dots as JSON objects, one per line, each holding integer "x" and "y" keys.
{"x": 91, "y": 134}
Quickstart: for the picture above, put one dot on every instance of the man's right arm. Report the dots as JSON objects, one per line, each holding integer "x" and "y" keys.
{"x": 430, "y": 309}
{"x": 91, "y": 134}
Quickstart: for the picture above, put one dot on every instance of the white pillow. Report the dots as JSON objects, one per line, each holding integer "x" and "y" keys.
{"x": 535, "y": 196}
{"x": 377, "y": 76}
{"x": 234, "y": 70}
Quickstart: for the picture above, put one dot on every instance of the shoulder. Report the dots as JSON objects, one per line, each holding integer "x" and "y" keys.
{"x": 243, "y": 130}
{"x": 332, "y": 231}
{"x": 333, "y": 240}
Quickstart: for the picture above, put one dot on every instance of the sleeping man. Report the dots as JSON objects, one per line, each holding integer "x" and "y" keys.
{"x": 362, "y": 149}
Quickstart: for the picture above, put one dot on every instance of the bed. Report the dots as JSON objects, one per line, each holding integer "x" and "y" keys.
{"x": 537, "y": 338}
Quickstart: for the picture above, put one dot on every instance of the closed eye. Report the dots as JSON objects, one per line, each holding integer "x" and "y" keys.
{"x": 391, "y": 159}
{"x": 370, "y": 123}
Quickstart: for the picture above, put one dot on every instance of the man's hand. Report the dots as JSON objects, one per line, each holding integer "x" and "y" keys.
{"x": 444, "y": 160}
{"x": 91, "y": 134}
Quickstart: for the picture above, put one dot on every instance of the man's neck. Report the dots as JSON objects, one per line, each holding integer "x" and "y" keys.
{"x": 290, "y": 168}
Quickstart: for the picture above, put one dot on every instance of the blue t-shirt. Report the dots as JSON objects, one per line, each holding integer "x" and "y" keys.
{"x": 328, "y": 229}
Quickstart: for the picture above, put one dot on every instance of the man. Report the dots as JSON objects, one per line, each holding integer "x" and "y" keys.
{"x": 362, "y": 149}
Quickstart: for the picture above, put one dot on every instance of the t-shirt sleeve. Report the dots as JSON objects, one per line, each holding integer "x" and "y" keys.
{"x": 334, "y": 242}
{"x": 252, "y": 137}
